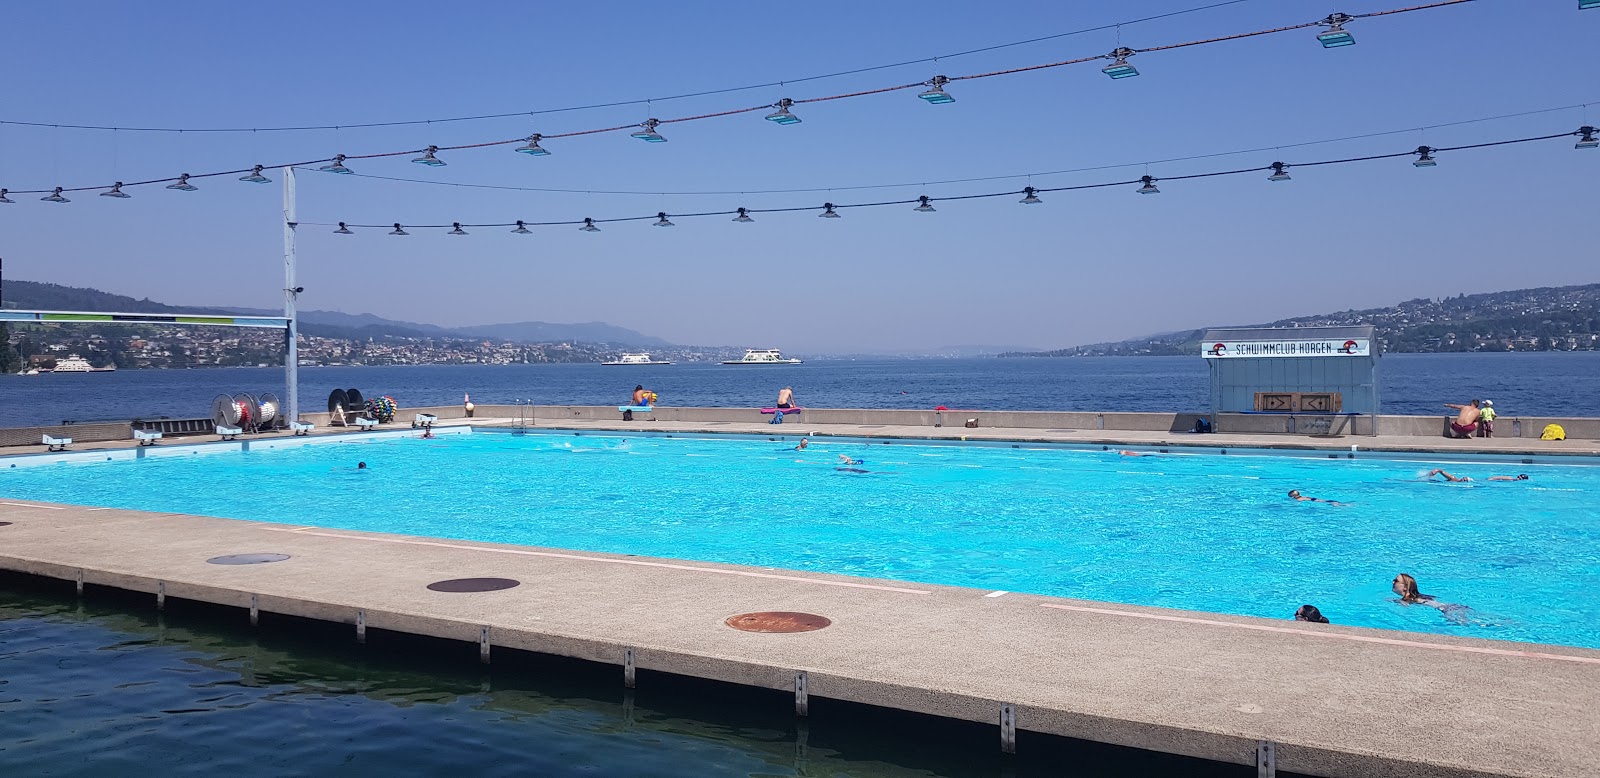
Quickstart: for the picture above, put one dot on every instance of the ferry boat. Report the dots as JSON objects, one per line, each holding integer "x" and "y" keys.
{"x": 636, "y": 359}
{"x": 762, "y": 356}
{"x": 73, "y": 363}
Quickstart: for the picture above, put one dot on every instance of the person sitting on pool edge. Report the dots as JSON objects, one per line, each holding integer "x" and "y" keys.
{"x": 785, "y": 399}
{"x": 1294, "y": 494}
{"x": 1406, "y": 586}
{"x": 1311, "y": 614}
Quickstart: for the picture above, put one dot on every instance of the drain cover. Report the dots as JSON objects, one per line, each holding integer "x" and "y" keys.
{"x": 778, "y": 621}
{"x": 474, "y": 584}
{"x": 247, "y": 559}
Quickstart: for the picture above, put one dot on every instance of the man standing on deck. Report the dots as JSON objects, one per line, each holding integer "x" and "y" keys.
{"x": 1466, "y": 421}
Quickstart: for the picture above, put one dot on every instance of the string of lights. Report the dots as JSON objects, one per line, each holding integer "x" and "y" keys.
{"x": 1333, "y": 36}
{"x": 976, "y": 179}
{"x": 644, "y": 101}
{"x": 1425, "y": 157}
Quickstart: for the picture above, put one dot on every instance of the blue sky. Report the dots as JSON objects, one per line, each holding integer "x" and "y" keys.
{"x": 1084, "y": 266}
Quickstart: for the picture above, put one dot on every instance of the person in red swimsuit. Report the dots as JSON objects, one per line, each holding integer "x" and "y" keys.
{"x": 1466, "y": 421}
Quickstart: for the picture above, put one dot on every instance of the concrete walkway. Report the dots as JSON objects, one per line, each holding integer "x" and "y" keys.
{"x": 1336, "y": 701}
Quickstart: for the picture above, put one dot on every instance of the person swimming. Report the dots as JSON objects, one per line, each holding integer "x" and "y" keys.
{"x": 1461, "y": 479}
{"x": 1294, "y": 494}
{"x": 1517, "y": 477}
{"x": 1406, "y": 586}
{"x": 361, "y": 465}
{"x": 1311, "y": 614}
{"x": 803, "y": 443}
{"x": 1127, "y": 453}
{"x": 848, "y": 460}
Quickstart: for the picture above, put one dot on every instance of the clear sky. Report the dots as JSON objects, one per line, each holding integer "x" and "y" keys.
{"x": 1083, "y": 267}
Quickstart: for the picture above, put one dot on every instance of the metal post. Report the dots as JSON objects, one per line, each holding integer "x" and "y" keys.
{"x": 161, "y": 594}
{"x": 802, "y": 694}
{"x": 1266, "y": 759}
{"x": 483, "y": 644}
{"x": 361, "y": 627}
{"x": 255, "y": 610}
{"x": 80, "y": 582}
{"x": 291, "y": 359}
{"x": 1008, "y": 729}
{"x": 629, "y": 676}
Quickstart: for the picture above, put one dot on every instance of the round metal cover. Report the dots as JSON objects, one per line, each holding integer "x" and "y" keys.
{"x": 474, "y": 584}
{"x": 778, "y": 621}
{"x": 246, "y": 559}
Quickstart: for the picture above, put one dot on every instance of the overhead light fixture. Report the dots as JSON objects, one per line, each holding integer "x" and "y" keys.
{"x": 55, "y": 197}
{"x": 782, "y": 115}
{"x": 1119, "y": 67}
{"x": 116, "y": 191}
{"x": 647, "y": 132}
{"x": 1278, "y": 172}
{"x": 398, "y": 230}
{"x": 522, "y": 229}
{"x": 1424, "y": 157}
{"x": 533, "y": 148}
{"x": 923, "y": 205}
{"x": 1588, "y": 140}
{"x": 744, "y": 216}
{"x": 336, "y": 166}
{"x": 1149, "y": 185}
{"x": 1336, "y": 36}
{"x": 343, "y": 230}
{"x": 588, "y": 226}
{"x": 6, "y": 200}
{"x": 429, "y": 159}
{"x": 182, "y": 184}
{"x": 828, "y": 212}
{"x": 255, "y": 176}
{"x": 1030, "y": 196}
{"x": 662, "y": 220}
{"x": 457, "y": 230}
{"x": 936, "y": 94}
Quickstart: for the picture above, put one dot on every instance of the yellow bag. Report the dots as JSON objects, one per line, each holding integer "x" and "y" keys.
{"x": 1553, "y": 432}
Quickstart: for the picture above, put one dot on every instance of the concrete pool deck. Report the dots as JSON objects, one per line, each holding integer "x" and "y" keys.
{"x": 1336, "y": 701}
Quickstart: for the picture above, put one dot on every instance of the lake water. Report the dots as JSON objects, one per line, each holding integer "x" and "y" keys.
{"x": 1546, "y": 384}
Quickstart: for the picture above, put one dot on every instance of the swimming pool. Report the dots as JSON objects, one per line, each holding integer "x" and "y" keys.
{"x": 1195, "y": 530}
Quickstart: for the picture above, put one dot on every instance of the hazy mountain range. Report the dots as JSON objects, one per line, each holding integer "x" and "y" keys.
{"x": 32, "y": 295}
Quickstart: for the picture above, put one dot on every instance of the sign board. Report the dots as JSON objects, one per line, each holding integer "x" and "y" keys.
{"x": 1236, "y": 349}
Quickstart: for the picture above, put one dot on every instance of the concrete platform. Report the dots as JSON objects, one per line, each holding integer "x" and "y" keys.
{"x": 1335, "y": 701}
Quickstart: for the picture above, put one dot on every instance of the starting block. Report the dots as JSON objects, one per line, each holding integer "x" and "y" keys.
{"x": 366, "y": 424}
{"x": 301, "y": 428}
{"x": 56, "y": 444}
{"x": 146, "y": 437}
{"x": 229, "y": 433}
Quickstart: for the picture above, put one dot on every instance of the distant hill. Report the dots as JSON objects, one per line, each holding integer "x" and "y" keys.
{"x": 1543, "y": 319}
{"x": 328, "y": 324}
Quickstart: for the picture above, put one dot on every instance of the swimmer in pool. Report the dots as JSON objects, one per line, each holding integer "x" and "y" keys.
{"x": 1311, "y": 614}
{"x": 1518, "y": 477}
{"x": 1294, "y": 494}
{"x": 803, "y": 443}
{"x": 1452, "y": 478}
{"x": 361, "y": 465}
{"x": 1127, "y": 453}
{"x": 1406, "y": 586}
{"x": 846, "y": 460}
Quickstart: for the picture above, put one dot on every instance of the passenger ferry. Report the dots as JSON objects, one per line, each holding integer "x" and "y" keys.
{"x": 73, "y": 363}
{"x": 762, "y": 356}
{"x": 636, "y": 359}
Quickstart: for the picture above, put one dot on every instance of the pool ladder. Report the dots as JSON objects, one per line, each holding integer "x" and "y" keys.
{"x": 524, "y": 418}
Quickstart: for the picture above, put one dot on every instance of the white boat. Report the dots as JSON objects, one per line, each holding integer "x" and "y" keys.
{"x": 762, "y": 356}
{"x": 636, "y": 359}
{"x": 72, "y": 363}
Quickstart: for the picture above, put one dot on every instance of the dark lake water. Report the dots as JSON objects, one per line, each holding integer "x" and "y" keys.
{"x": 1543, "y": 384}
{"x": 110, "y": 687}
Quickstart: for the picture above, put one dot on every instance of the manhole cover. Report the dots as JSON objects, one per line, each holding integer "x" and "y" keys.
{"x": 473, "y": 584}
{"x": 778, "y": 621}
{"x": 247, "y": 559}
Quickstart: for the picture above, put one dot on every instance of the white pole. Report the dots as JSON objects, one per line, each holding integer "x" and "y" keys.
{"x": 291, "y": 359}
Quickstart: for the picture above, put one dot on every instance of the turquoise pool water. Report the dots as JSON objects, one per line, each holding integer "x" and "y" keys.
{"x": 1195, "y": 531}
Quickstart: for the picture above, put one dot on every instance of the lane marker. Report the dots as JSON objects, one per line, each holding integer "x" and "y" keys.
{"x": 26, "y": 505}
{"x": 581, "y": 558}
{"x": 1333, "y": 636}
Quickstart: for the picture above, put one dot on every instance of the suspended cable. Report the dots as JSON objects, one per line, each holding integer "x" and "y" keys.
{"x": 645, "y": 101}
{"x": 647, "y": 130}
{"x": 976, "y": 179}
{"x": 1147, "y": 186}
